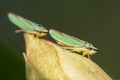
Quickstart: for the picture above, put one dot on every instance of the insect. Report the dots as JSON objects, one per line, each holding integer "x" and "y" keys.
{"x": 72, "y": 43}
{"x": 27, "y": 25}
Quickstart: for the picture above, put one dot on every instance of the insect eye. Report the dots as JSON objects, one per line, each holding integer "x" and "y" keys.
{"x": 90, "y": 48}
{"x": 95, "y": 49}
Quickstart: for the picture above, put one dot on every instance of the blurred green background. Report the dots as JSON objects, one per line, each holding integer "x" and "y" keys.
{"x": 97, "y": 21}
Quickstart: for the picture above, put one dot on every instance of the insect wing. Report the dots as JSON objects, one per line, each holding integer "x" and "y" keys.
{"x": 20, "y": 21}
{"x": 66, "y": 39}
{"x": 25, "y": 24}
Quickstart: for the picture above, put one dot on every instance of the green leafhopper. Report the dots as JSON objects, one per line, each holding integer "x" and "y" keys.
{"x": 73, "y": 43}
{"x": 27, "y": 25}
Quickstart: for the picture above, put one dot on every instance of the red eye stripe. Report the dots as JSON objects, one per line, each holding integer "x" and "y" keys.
{"x": 59, "y": 32}
{"x": 27, "y": 21}
{"x": 74, "y": 38}
{"x": 14, "y": 16}
{"x": 62, "y": 34}
{"x": 17, "y": 17}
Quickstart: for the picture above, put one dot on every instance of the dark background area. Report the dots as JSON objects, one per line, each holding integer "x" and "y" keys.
{"x": 95, "y": 21}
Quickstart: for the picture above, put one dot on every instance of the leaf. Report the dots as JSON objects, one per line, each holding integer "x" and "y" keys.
{"x": 47, "y": 61}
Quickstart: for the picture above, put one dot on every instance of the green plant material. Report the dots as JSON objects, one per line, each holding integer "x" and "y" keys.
{"x": 48, "y": 61}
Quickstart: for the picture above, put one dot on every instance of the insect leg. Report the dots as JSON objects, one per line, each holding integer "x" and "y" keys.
{"x": 86, "y": 53}
{"x": 20, "y": 30}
